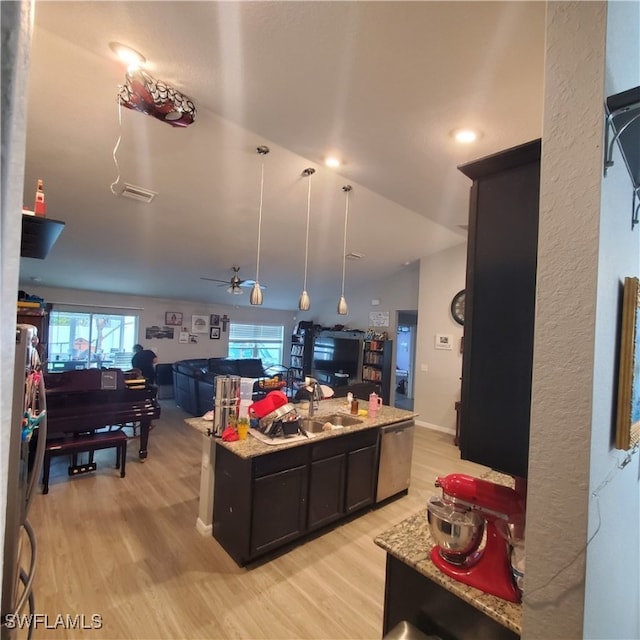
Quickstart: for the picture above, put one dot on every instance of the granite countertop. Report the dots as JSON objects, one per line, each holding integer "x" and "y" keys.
{"x": 252, "y": 447}
{"x": 410, "y": 541}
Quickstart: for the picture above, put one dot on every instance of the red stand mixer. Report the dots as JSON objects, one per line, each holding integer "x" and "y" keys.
{"x": 457, "y": 522}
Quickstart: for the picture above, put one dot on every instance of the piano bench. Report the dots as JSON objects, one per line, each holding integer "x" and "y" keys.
{"x": 90, "y": 442}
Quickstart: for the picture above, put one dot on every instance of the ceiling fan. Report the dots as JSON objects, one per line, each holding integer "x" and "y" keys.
{"x": 235, "y": 284}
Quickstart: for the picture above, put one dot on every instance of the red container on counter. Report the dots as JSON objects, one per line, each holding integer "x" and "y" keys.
{"x": 273, "y": 400}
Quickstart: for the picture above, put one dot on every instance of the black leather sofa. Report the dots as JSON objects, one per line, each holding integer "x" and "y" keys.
{"x": 193, "y": 380}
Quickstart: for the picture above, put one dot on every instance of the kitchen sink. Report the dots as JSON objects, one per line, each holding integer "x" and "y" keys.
{"x": 316, "y": 424}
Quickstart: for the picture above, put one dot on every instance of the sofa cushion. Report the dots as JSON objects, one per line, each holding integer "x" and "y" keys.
{"x": 223, "y": 367}
{"x": 250, "y": 368}
{"x": 188, "y": 369}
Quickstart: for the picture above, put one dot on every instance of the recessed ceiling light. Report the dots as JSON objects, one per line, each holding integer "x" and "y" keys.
{"x": 332, "y": 161}
{"x": 132, "y": 58}
{"x": 465, "y": 136}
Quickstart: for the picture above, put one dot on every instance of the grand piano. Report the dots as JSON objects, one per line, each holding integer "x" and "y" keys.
{"x": 89, "y": 399}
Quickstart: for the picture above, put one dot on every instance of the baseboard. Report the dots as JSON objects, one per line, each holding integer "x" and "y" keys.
{"x": 204, "y": 529}
{"x": 435, "y": 427}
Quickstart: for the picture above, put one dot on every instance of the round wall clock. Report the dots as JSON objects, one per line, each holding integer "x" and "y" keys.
{"x": 457, "y": 307}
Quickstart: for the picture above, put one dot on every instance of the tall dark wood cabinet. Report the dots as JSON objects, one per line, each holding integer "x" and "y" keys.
{"x": 499, "y": 308}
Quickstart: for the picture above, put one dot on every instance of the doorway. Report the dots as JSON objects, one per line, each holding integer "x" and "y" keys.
{"x": 405, "y": 359}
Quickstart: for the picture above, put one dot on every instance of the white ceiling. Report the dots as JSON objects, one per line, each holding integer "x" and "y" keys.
{"x": 382, "y": 83}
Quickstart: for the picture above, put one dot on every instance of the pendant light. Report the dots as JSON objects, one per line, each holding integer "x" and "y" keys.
{"x": 256, "y": 292}
{"x": 343, "y": 309}
{"x": 304, "y": 303}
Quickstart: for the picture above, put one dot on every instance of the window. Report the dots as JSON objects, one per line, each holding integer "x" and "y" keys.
{"x": 257, "y": 341}
{"x": 80, "y": 340}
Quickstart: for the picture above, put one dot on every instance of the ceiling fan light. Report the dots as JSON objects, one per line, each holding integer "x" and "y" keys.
{"x": 304, "y": 303}
{"x": 343, "y": 309}
{"x": 256, "y": 294}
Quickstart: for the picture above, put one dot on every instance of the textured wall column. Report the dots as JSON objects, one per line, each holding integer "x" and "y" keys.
{"x": 16, "y": 24}
{"x": 561, "y": 416}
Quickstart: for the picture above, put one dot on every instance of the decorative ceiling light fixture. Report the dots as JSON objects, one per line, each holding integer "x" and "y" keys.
{"x": 304, "y": 303}
{"x": 343, "y": 309}
{"x": 256, "y": 292}
{"x": 156, "y": 98}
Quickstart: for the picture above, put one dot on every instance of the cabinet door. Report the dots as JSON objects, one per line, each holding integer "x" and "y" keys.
{"x": 361, "y": 467}
{"x": 326, "y": 490}
{"x": 500, "y": 308}
{"x": 279, "y": 508}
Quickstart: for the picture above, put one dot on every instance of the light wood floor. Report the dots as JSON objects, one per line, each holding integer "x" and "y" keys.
{"x": 127, "y": 549}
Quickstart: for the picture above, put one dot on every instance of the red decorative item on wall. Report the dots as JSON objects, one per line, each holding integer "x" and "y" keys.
{"x": 154, "y": 97}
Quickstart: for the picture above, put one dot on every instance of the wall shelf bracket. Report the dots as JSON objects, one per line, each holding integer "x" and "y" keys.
{"x": 622, "y": 126}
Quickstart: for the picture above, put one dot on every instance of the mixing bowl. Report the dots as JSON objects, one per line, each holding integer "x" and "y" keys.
{"x": 456, "y": 530}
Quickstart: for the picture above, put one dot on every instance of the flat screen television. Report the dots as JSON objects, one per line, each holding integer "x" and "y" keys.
{"x": 336, "y": 360}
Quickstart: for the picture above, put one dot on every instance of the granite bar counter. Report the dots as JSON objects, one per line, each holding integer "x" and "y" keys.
{"x": 410, "y": 543}
{"x": 252, "y": 446}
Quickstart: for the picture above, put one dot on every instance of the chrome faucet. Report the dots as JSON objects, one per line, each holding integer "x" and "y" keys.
{"x": 316, "y": 396}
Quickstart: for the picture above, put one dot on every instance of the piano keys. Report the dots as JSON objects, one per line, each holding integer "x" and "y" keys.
{"x": 89, "y": 399}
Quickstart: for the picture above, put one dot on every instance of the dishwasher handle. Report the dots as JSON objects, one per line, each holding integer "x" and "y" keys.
{"x": 396, "y": 427}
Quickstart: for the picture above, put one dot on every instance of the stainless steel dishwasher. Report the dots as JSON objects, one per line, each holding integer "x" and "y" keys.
{"x": 396, "y": 448}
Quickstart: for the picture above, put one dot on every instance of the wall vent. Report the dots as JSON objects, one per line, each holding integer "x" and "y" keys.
{"x": 354, "y": 255}
{"x": 137, "y": 193}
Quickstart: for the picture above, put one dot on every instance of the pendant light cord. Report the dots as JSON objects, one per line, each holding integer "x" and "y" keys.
{"x": 306, "y": 245}
{"x": 115, "y": 150}
{"x": 262, "y": 150}
{"x": 344, "y": 245}
{"x": 260, "y": 223}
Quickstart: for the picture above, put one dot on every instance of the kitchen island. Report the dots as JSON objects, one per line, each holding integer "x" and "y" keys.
{"x": 268, "y": 493}
{"x": 418, "y": 592}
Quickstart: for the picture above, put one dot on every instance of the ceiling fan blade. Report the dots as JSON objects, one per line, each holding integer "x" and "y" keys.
{"x": 249, "y": 283}
{"x": 214, "y": 280}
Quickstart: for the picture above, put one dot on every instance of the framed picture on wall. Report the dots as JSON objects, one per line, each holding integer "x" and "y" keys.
{"x": 173, "y": 319}
{"x": 628, "y": 415}
{"x": 214, "y": 333}
{"x": 199, "y": 324}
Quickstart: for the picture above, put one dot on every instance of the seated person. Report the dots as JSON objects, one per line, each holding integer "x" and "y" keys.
{"x": 145, "y": 360}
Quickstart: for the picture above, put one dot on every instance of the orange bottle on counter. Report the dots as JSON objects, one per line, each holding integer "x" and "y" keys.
{"x": 40, "y": 207}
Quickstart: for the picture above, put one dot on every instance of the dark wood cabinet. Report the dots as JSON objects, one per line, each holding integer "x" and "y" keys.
{"x": 265, "y": 502}
{"x": 278, "y": 509}
{"x": 326, "y": 490}
{"x": 361, "y": 477}
{"x": 342, "y": 476}
{"x": 376, "y": 366}
{"x": 411, "y": 596}
{"x": 499, "y": 308}
{"x": 39, "y": 234}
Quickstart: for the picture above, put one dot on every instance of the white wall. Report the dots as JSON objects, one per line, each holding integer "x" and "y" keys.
{"x": 151, "y": 311}
{"x": 582, "y": 512}
{"x": 613, "y": 556}
{"x": 437, "y": 389}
